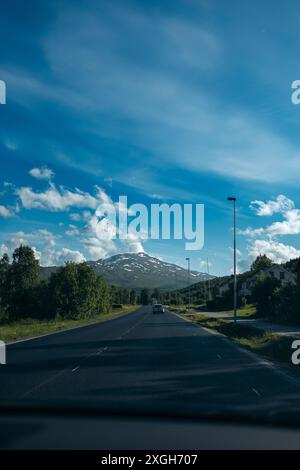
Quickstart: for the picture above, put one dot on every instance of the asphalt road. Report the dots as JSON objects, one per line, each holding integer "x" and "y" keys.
{"x": 141, "y": 360}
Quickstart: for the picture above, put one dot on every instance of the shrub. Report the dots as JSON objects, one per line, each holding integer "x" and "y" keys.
{"x": 264, "y": 295}
{"x": 287, "y": 303}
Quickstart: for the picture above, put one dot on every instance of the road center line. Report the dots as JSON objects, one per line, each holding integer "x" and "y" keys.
{"x": 256, "y": 392}
{"x": 84, "y": 358}
{"x": 45, "y": 382}
{"x": 133, "y": 327}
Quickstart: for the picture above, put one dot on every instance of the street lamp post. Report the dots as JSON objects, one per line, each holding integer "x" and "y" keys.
{"x": 233, "y": 199}
{"x": 189, "y": 273}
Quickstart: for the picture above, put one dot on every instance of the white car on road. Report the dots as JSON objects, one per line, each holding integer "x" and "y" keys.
{"x": 158, "y": 308}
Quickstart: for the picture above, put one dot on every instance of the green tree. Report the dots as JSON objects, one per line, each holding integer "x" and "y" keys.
{"x": 88, "y": 295}
{"x": 104, "y": 296}
{"x": 4, "y": 288}
{"x": 263, "y": 294}
{"x": 63, "y": 288}
{"x": 24, "y": 278}
{"x": 113, "y": 295}
{"x": 261, "y": 262}
{"x": 287, "y": 303}
{"x": 156, "y": 295}
{"x": 145, "y": 297}
{"x": 125, "y": 296}
{"x": 75, "y": 291}
{"x": 116, "y": 295}
{"x": 44, "y": 307}
{"x": 133, "y": 297}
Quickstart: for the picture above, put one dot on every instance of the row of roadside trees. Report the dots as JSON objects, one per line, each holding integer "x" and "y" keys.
{"x": 74, "y": 291}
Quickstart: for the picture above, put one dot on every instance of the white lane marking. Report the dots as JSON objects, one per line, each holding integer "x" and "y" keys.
{"x": 45, "y": 382}
{"x": 133, "y": 327}
{"x": 256, "y": 392}
{"x": 94, "y": 353}
{"x": 101, "y": 350}
{"x": 254, "y": 356}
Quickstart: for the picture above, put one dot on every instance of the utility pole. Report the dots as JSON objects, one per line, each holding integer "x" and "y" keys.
{"x": 233, "y": 199}
{"x": 189, "y": 284}
{"x": 209, "y": 296}
{"x": 176, "y": 288}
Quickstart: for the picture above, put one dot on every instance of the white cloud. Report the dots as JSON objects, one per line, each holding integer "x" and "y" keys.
{"x": 5, "y": 212}
{"x": 177, "y": 115}
{"x": 280, "y": 205}
{"x": 133, "y": 244}
{"x": 11, "y": 145}
{"x": 203, "y": 265}
{"x": 40, "y": 237}
{"x": 101, "y": 231}
{"x": 15, "y": 241}
{"x": 37, "y": 253}
{"x": 54, "y": 199}
{"x": 267, "y": 243}
{"x": 3, "y": 249}
{"x": 108, "y": 181}
{"x": 77, "y": 217}
{"x": 48, "y": 237}
{"x": 98, "y": 249}
{"x": 238, "y": 252}
{"x": 86, "y": 215}
{"x": 289, "y": 226}
{"x": 99, "y": 236}
{"x": 72, "y": 231}
{"x": 60, "y": 257}
{"x": 277, "y": 252}
{"x": 177, "y": 120}
{"x": 250, "y": 232}
{"x": 283, "y": 205}
{"x": 42, "y": 173}
{"x": 43, "y": 243}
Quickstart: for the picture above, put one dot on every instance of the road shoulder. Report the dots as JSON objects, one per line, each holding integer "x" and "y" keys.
{"x": 21, "y": 333}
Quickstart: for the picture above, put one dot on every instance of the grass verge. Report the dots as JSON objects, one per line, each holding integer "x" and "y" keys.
{"x": 30, "y": 327}
{"x": 275, "y": 347}
{"x": 248, "y": 310}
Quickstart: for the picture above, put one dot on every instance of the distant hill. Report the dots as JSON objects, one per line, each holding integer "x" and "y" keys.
{"x": 139, "y": 270}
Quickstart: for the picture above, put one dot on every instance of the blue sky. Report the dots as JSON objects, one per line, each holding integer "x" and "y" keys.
{"x": 164, "y": 101}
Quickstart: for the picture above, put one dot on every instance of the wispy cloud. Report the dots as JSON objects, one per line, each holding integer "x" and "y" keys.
{"x": 6, "y": 212}
{"x": 42, "y": 173}
{"x": 174, "y": 116}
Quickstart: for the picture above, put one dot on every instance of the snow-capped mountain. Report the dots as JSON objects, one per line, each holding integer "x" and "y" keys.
{"x": 138, "y": 270}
